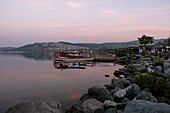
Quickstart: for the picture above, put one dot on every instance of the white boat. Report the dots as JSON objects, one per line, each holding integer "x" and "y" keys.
{"x": 72, "y": 56}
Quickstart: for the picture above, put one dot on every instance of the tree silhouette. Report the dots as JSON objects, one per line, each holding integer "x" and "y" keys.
{"x": 145, "y": 40}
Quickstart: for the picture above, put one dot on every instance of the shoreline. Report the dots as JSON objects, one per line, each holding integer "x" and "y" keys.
{"x": 112, "y": 98}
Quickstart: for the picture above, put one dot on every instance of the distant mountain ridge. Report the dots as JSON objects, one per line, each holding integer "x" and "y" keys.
{"x": 57, "y": 46}
{"x": 7, "y": 48}
{"x": 110, "y": 44}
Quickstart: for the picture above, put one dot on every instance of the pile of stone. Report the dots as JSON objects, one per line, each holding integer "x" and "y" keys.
{"x": 123, "y": 95}
{"x": 119, "y": 97}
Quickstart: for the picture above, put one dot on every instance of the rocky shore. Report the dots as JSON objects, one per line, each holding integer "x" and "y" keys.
{"x": 140, "y": 87}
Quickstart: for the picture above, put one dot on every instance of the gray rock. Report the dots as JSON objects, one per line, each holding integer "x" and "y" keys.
{"x": 95, "y": 90}
{"x": 75, "y": 108}
{"x": 158, "y": 69}
{"x": 92, "y": 106}
{"x": 146, "y": 89}
{"x": 125, "y": 82}
{"x": 122, "y": 92}
{"x": 36, "y": 107}
{"x": 117, "y": 83}
{"x": 140, "y": 69}
{"x": 166, "y": 67}
{"x": 109, "y": 103}
{"x": 149, "y": 70}
{"x": 84, "y": 97}
{"x": 104, "y": 94}
{"x": 107, "y": 75}
{"x": 121, "y": 105}
{"x": 132, "y": 80}
{"x": 109, "y": 86}
{"x": 135, "y": 89}
{"x": 145, "y": 95}
{"x": 111, "y": 110}
{"x": 121, "y": 83}
{"x": 119, "y": 111}
{"x": 143, "y": 106}
{"x": 136, "y": 65}
{"x": 114, "y": 90}
{"x": 125, "y": 100}
{"x": 117, "y": 73}
{"x": 146, "y": 59}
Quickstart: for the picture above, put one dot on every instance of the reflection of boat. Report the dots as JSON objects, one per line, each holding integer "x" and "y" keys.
{"x": 66, "y": 65}
{"x": 80, "y": 64}
{"x": 72, "y": 56}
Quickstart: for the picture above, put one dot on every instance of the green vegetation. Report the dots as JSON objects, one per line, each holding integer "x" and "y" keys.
{"x": 157, "y": 85}
{"x": 168, "y": 42}
{"x": 152, "y": 58}
{"x": 145, "y": 40}
{"x": 144, "y": 52}
{"x": 158, "y": 62}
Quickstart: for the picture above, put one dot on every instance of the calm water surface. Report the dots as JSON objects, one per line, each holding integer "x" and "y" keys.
{"x": 31, "y": 77}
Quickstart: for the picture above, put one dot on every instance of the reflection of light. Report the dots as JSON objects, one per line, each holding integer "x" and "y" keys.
{"x": 96, "y": 66}
{"x": 76, "y": 65}
{"x": 114, "y": 65}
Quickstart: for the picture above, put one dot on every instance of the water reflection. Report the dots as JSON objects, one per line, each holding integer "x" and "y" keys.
{"x": 81, "y": 65}
{"x": 37, "y": 55}
{"x": 24, "y": 79}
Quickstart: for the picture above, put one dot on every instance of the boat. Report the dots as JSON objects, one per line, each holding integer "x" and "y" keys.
{"x": 72, "y": 56}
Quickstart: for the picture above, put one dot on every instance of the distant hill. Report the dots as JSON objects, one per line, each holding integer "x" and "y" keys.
{"x": 49, "y": 46}
{"x": 109, "y": 44}
{"x": 6, "y": 48}
{"x": 57, "y": 46}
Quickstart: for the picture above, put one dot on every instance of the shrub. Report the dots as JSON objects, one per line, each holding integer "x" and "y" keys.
{"x": 157, "y": 85}
{"x": 143, "y": 53}
{"x": 152, "y": 58}
{"x": 158, "y": 62}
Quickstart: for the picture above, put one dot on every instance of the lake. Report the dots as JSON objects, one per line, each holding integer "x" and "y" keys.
{"x": 35, "y": 76}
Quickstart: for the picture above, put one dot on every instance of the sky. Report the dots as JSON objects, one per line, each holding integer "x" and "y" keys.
{"x": 96, "y": 21}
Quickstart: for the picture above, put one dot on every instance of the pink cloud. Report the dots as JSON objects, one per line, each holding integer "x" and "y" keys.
{"x": 151, "y": 28}
{"x": 38, "y": 6}
{"x": 112, "y": 12}
{"x": 73, "y": 5}
{"x": 41, "y": 25}
{"x": 2, "y": 33}
{"x": 55, "y": 26}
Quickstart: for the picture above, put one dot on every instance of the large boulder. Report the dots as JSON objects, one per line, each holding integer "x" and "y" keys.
{"x": 143, "y": 106}
{"x": 109, "y": 103}
{"x": 158, "y": 69}
{"x": 114, "y": 90}
{"x": 145, "y": 95}
{"x": 36, "y": 107}
{"x": 91, "y": 106}
{"x": 111, "y": 110}
{"x": 95, "y": 90}
{"x": 122, "y": 92}
{"x": 166, "y": 67}
{"x": 130, "y": 91}
{"x": 104, "y": 94}
{"x": 117, "y": 83}
{"x": 121, "y": 83}
{"x": 109, "y": 86}
{"x": 135, "y": 89}
{"x": 149, "y": 70}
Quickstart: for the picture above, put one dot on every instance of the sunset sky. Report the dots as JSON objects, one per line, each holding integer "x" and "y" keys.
{"x": 28, "y": 21}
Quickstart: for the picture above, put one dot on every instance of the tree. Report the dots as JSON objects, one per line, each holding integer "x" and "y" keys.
{"x": 146, "y": 40}
{"x": 168, "y": 42}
